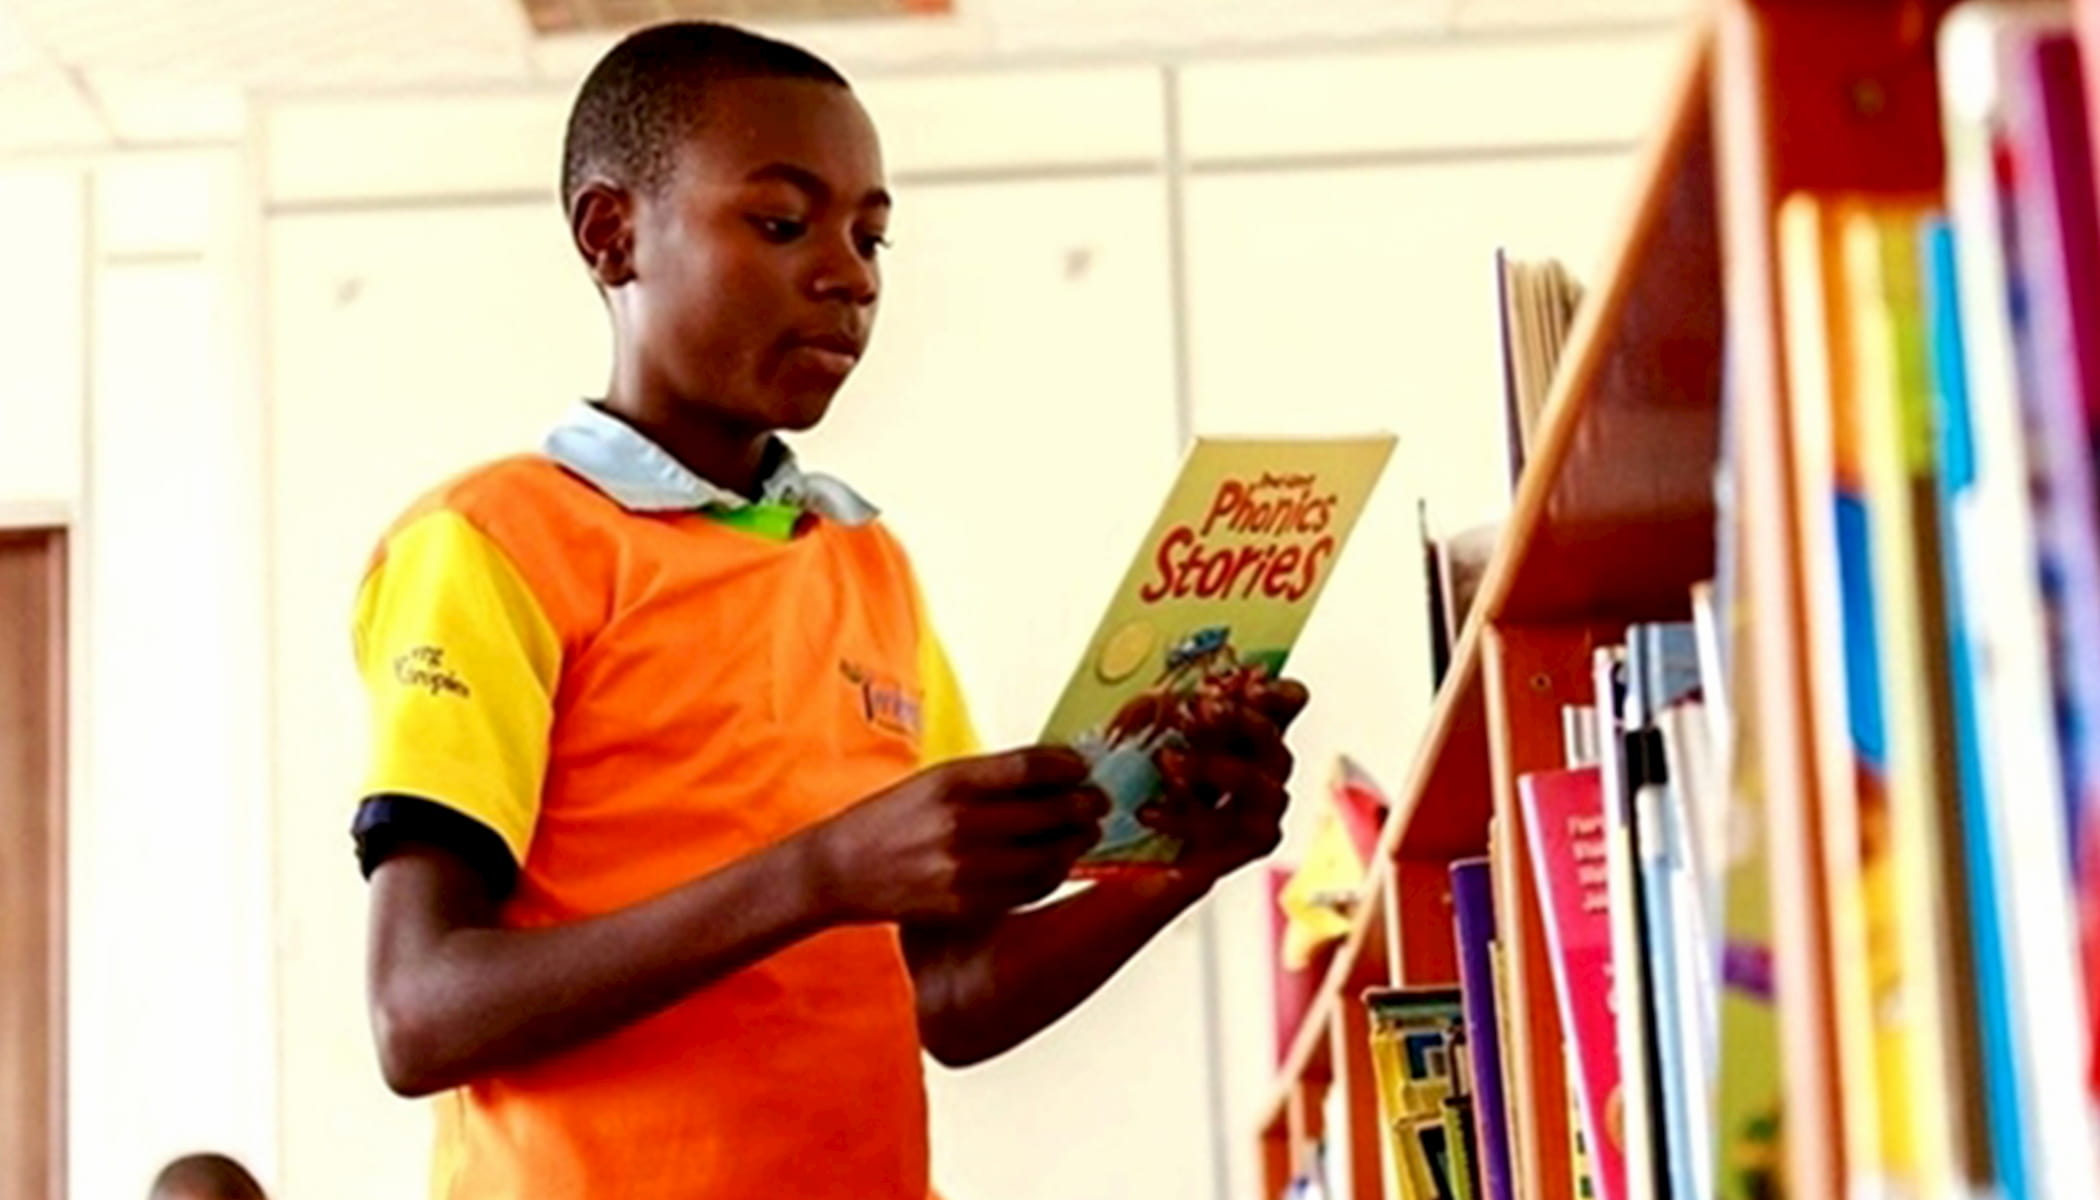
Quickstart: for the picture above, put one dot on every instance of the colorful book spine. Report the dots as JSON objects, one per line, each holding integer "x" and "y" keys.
{"x": 1564, "y": 816}
{"x": 2000, "y": 583}
{"x": 1473, "y": 903}
{"x": 2060, "y": 252}
{"x": 2004, "y": 1101}
{"x": 1843, "y": 697}
{"x": 1942, "y": 1069}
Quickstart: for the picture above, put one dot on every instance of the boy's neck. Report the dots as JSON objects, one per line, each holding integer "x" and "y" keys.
{"x": 733, "y": 459}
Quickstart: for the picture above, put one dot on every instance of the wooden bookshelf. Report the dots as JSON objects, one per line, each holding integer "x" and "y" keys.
{"x": 1612, "y": 523}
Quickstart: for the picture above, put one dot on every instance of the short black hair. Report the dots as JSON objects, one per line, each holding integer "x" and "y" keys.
{"x": 212, "y": 1175}
{"x": 650, "y": 92}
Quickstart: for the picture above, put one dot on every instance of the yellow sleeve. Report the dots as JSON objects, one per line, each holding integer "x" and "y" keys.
{"x": 459, "y": 665}
{"x": 946, "y": 732}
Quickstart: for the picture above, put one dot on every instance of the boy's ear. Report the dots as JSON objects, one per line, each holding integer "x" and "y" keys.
{"x": 602, "y": 224}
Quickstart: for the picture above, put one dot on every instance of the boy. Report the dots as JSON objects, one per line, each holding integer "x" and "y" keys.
{"x": 674, "y": 868}
{"x": 205, "y": 1177}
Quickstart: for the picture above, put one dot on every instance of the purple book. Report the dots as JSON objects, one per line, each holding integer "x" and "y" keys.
{"x": 2059, "y": 241}
{"x": 1473, "y": 900}
{"x": 2060, "y": 244}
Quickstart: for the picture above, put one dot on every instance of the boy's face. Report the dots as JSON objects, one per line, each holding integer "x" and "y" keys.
{"x": 755, "y": 265}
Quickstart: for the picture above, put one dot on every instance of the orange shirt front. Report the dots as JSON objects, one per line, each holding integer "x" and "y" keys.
{"x": 630, "y": 700}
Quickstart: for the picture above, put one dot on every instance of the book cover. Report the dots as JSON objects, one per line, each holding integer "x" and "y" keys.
{"x": 1842, "y": 665}
{"x": 1417, "y": 1042}
{"x": 2004, "y": 1101}
{"x": 1564, "y": 816}
{"x": 1662, "y": 663}
{"x": 1218, "y": 594}
{"x": 1473, "y": 904}
{"x": 1996, "y": 526}
{"x": 1696, "y": 788}
{"x": 1292, "y": 988}
{"x": 1631, "y": 1004}
{"x": 2060, "y": 248}
{"x": 1943, "y": 1069}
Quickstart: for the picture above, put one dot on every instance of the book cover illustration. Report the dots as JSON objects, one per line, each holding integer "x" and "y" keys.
{"x": 1418, "y": 1050}
{"x": 1217, "y": 596}
{"x": 1564, "y": 816}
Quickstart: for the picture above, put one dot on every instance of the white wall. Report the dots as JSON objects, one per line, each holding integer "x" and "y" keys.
{"x": 1335, "y": 219}
{"x": 137, "y": 419}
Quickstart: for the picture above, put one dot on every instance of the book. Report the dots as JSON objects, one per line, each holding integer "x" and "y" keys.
{"x": 1662, "y": 669}
{"x": 2059, "y": 223}
{"x": 1418, "y": 1038}
{"x": 2002, "y": 1098}
{"x": 1473, "y": 903}
{"x": 1940, "y": 1068}
{"x": 1631, "y": 1007}
{"x": 1842, "y": 664}
{"x": 1218, "y": 593}
{"x": 1538, "y": 301}
{"x": 1697, "y": 790}
{"x": 1564, "y": 816}
{"x": 2001, "y": 589}
{"x": 1292, "y": 988}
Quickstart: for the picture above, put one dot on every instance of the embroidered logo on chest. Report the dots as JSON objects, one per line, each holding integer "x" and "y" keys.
{"x": 887, "y": 704}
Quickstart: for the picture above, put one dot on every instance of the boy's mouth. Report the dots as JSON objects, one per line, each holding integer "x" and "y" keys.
{"x": 836, "y": 352}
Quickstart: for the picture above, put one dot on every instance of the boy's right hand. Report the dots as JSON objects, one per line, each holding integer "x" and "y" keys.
{"x": 971, "y": 837}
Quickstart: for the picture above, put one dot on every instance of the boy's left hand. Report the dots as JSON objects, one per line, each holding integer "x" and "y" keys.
{"x": 1227, "y": 790}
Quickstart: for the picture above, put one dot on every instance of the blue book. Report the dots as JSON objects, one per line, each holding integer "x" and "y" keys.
{"x": 1989, "y": 968}
{"x": 1663, "y": 668}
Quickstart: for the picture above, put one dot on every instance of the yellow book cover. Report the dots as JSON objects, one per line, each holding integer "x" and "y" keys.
{"x": 1881, "y": 247}
{"x": 1219, "y": 592}
{"x": 1865, "y": 960}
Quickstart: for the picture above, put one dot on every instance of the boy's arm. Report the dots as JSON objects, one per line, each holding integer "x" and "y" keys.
{"x": 985, "y": 988}
{"x": 455, "y": 996}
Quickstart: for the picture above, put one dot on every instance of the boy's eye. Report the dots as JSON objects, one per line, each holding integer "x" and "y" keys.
{"x": 872, "y": 244}
{"x": 779, "y": 229}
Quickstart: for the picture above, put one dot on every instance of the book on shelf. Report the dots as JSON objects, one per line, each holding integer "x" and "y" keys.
{"x": 2002, "y": 529}
{"x": 2058, "y": 223}
{"x": 1473, "y": 925}
{"x": 1454, "y": 566}
{"x": 1418, "y": 1055}
{"x": 1537, "y": 301}
{"x": 1565, "y": 820}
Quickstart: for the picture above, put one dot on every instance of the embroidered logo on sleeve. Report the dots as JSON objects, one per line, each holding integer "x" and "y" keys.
{"x": 424, "y": 668}
{"x": 884, "y": 701}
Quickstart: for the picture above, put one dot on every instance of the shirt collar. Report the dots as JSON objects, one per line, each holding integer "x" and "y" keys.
{"x": 641, "y": 476}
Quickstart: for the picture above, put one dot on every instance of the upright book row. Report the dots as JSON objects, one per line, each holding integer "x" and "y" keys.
{"x": 1807, "y": 902}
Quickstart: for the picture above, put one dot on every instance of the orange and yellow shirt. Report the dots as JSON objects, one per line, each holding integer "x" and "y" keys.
{"x": 596, "y": 677}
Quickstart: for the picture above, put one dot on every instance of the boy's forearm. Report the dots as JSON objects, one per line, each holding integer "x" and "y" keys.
{"x": 983, "y": 992}
{"x": 454, "y": 997}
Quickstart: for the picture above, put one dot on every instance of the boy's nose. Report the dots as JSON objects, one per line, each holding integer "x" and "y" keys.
{"x": 843, "y": 274}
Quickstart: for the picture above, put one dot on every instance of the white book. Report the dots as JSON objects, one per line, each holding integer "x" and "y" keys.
{"x": 2001, "y": 592}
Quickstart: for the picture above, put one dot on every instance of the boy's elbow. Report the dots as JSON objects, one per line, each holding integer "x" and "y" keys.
{"x": 954, "y": 1045}
{"x": 408, "y": 1048}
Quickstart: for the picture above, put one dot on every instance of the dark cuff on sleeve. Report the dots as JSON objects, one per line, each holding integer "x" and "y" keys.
{"x": 387, "y": 824}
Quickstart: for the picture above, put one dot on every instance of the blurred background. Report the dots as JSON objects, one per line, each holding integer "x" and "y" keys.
{"x": 269, "y": 268}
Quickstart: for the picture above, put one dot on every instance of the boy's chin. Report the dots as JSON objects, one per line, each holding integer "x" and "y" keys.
{"x": 802, "y": 409}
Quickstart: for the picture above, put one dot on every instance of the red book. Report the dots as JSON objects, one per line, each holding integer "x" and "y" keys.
{"x": 1565, "y": 831}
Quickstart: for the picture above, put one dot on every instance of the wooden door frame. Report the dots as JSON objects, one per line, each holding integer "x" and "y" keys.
{"x": 38, "y": 526}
